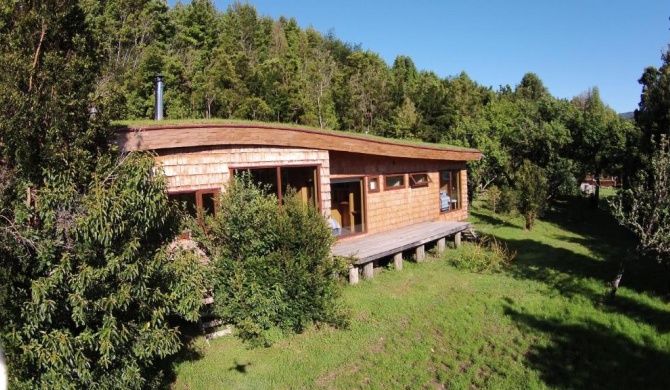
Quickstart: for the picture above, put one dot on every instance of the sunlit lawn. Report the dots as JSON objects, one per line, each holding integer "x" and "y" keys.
{"x": 541, "y": 324}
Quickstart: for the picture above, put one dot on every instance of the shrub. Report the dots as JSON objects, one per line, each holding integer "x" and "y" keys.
{"x": 493, "y": 194}
{"x": 533, "y": 189}
{"x": 273, "y": 263}
{"x": 105, "y": 290}
{"x": 508, "y": 200}
{"x": 488, "y": 255}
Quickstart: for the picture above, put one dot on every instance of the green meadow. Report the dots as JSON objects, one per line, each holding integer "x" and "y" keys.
{"x": 543, "y": 322}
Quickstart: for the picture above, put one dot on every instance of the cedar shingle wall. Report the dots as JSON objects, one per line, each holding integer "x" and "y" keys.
{"x": 390, "y": 209}
{"x": 190, "y": 169}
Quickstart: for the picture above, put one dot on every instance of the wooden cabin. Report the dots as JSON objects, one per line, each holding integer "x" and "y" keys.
{"x": 363, "y": 185}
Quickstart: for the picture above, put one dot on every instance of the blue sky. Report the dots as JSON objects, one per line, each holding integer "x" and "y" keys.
{"x": 571, "y": 45}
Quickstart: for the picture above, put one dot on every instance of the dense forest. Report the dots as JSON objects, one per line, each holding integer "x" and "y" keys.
{"x": 91, "y": 293}
{"x": 237, "y": 64}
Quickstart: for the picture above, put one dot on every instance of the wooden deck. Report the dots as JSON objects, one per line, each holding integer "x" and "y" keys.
{"x": 376, "y": 246}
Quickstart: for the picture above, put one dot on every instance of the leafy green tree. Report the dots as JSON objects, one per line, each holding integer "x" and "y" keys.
{"x": 599, "y": 137}
{"x": 404, "y": 121}
{"x": 362, "y": 93}
{"x": 653, "y": 113}
{"x": 106, "y": 288}
{"x": 273, "y": 265}
{"x": 644, "y": 208}
{"x": 405, "y": 76}
{"x": 429, "y": 98}
{"x": 89, "y": 292}
{"x": 320, "y": 73}
{"x": 49, "y": 64}
{"x": 531, "y": 87}
{"x": 532, "y": 189}
{"x": 128, "y": 33}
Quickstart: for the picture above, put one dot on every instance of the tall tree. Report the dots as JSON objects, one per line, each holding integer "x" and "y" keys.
{"x": 599, "y": 137}
{"x": 644, "y": 208}
{"x": 88, "y": 289}
{"x": 653, "y": 113}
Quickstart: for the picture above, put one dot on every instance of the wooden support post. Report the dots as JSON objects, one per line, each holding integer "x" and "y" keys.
{"x": 353, "y": 274}
{"x": 420, "y": 253}
{"x": 397, "y": 261}
{"x": 457, "y": 240}
{"x": 368, "y": 270}
{"x": 441, "y": 245}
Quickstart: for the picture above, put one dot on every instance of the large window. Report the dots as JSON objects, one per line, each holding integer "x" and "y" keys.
{"x": 450, "y": 190}
{"x": 304, "y": 180}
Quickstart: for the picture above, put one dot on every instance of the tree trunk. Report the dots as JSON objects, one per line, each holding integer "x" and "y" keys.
{"x": 595, "y": 199}
{"x": 615, "y": 282}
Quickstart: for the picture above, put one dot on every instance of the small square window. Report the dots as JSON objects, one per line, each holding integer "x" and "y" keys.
{"x": 393, "y": 182}
{"x": 373, "y": 184}
{"x": 419, "y": 179}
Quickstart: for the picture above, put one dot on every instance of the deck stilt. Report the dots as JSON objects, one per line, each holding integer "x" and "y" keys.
{"x": 397, "y": 261}
{"x": 353, "y": 274}
{"x": 420, "y": 253}
{"x": 441, "y": 245}
{"x": 457, "y": 240}
{"x": 368, "y": 270}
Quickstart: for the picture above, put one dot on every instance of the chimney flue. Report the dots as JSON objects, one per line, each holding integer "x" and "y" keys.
{"x": 158, "y": 107}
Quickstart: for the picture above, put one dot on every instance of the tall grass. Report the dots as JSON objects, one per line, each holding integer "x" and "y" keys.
{"x": 541, "y": 323}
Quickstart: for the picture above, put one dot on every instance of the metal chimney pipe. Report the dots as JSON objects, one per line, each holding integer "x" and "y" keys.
{"x": 158, "y": 107}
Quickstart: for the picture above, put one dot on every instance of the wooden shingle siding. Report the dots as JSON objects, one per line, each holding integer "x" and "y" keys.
{"x": 392, "y": 209}
{"x": 191, "y": 169}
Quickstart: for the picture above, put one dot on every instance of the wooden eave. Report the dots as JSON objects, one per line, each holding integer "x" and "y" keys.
{"x": 159, "y": 137}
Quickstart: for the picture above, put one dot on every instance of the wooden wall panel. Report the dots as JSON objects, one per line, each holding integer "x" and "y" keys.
{"x": 390, "y": 209}
{"x": 190, "y": 169}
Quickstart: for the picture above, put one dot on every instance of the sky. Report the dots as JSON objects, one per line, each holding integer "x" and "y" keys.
{"x": 572, "y": 45}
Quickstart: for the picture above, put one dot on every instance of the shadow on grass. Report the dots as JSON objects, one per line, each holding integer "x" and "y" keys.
{"x": 563, "y": 270}
{"x": 592, "y": 356}
{"x": 641, "y": 312}
{"x": 595, "y": 229}
{"x": 587, "y": 274}
{"x": 239, "y": 367}
{"x": 601, "y": 233}
{"x": 494, "y": 220}
{"x": 188, "y": 353}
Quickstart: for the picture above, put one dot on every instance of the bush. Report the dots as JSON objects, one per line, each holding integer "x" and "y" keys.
{"x": 508, "y": 200}
{"x": 105, "y": 292}
{"x": 533, "y": 189}
{"x": 488, "y": 255}
{"x": 493, "y": 195}
{"x": 273, "y": 263}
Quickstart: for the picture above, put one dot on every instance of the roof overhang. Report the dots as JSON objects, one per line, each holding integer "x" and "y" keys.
{"x": 158, "y": 137}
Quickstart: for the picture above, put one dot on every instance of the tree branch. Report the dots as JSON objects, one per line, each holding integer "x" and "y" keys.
{"x": 36, "y": 57}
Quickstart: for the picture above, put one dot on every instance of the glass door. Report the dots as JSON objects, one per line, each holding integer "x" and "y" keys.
{"x": 347, "y": 206}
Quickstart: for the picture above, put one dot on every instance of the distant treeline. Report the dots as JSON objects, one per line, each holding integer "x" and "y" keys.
{"x": 237, "y": 64}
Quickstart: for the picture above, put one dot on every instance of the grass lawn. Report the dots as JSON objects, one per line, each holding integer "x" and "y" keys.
{"x": 540, "y": 324}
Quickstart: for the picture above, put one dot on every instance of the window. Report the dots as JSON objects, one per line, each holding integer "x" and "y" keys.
{"x": 419, "y": 179}
{"x": 393, "y": 182}
{"x": 197, "y": 203}
{"x": 373, "y": 184}
{"x": 450, "y": 190}
{"x": 277, "y": 180}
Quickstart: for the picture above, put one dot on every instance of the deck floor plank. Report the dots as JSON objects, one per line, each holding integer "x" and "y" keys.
{"x": 375, "y": 246}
